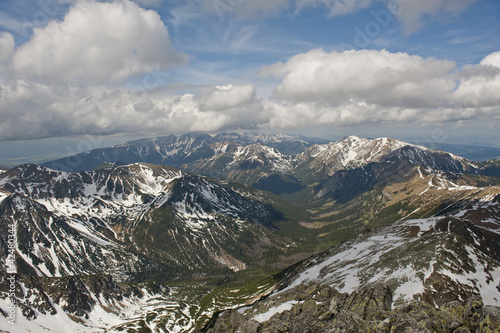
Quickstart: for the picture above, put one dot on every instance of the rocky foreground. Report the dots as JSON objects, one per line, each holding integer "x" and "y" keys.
{"x": 319, "y": 308}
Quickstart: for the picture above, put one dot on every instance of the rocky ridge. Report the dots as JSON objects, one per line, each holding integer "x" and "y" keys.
{"x": 70, "y": 223}
{"x": 314, "y": 308}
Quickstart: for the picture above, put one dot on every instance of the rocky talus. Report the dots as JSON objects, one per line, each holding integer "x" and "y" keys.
{"x": 319, "y": 308}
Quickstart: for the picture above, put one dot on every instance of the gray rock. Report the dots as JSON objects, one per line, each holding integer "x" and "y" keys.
{"x": 319, "y": 308}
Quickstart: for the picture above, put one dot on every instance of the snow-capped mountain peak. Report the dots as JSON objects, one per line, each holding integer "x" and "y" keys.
{"x": 106, "y": 209}
{"x": 264, "y": 155}
{"x": 39, "y": 182}
{"x": 347, "y": 153}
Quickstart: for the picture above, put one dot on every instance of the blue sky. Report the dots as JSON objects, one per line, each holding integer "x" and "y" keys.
{"x": 114, "y": 70}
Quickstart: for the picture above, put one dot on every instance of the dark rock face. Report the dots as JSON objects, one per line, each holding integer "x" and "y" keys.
{"x": 319, "y": 308}
{"x": 75, "y": 295}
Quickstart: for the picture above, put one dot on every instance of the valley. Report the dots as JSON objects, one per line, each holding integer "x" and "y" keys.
{"x": 158, "y": 235}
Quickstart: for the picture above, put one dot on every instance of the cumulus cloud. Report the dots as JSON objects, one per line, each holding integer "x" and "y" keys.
{"x": 32, "y": 110}
{"x": 222, "y": 98}
{"x": 315, "y": 88}
{"x": 97, "y": 42}
{"x": 492, "y": 60}
{"x": 286, "y": 115}
{"x": 375, "y": 77}
{"x": 479, "y": 84}
{"x": 378, "y": 87}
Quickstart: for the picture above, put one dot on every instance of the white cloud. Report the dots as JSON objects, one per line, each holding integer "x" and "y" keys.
{"x": 346, "y": 89}
{"x": 479, "y": 84}
{"x": 351, "y": 88}
{"x": 352, "y": 114}
{"x": 492, "y": 59}
{"x": 377, "y": 87}
{"x": 32, "y": 110}
{"x": 297, "y": 115}
{"x": 7, "y": 45}
{"x": 370, "y": 76}
{"x": 223, "y": 98}
{"x": 97, "y": 43}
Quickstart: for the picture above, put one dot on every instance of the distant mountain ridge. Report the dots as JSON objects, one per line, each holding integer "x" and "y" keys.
{"x": 347, "y": 153}
{"x": 226, "y": 154}
{"x": 360, "y": 161}
{"x": 175, "y": 151}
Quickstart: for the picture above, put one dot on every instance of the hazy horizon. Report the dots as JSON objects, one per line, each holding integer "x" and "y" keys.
{"x": 19, "y": 152}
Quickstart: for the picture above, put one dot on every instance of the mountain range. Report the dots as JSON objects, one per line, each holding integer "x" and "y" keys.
{"x": 176, "y": 151}
{"x": 160, "y": 234}
{"x": 274, "y": 162}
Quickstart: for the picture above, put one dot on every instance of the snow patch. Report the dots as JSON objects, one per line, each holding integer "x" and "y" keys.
{"x": 355, "y": 263}
{"x": 263, "y": 317}
{"x": 3, "y": 195}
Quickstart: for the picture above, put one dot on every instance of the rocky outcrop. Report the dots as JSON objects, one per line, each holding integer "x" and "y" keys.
{"x": 319, "y": 308}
